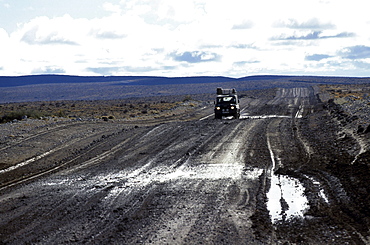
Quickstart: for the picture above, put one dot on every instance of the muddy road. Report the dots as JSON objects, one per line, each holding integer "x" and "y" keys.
{"x": 278, "y": 175}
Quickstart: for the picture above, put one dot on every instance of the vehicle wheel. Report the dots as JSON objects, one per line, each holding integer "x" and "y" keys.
{"x": 237, "y": 115}
{"x": 218, "y": 116}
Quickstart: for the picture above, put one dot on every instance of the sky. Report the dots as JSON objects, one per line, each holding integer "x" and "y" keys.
{"x": 233, "y": 38}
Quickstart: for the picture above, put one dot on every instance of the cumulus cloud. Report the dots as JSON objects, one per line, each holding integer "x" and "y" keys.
{"x": 110, "y": 7}
{"x": 33, "y": 37}
{"x": 311, "y": 24}
{"x": 105, "y": 34}
{"x": 243, "y": 46}
{"x": 247, "y": 24}
{"x": 309, "y": 36}
{"x": 185, "y": 37}
{"x": 140, "y": 69}
{"x": 195, "y": 56}
{"x": 242, "y": 63}
{"x": 314, "y": 35}
{"x": 3, "y": 34}
{"x": 356, "y": 52}
{"x": 42, "y": 30}
{"x": 128, "y": 69}
{"x": 48, "y": 70}
{"x": 365, "y": 66}
{"x": 4, "y": 39}
{"x": 104, "y": 70}
{"x": 317, "y": 57}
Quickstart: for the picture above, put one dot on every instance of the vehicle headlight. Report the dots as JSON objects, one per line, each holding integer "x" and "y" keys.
{"x": 218, "y": 108}
{"x": 232, "y": 107}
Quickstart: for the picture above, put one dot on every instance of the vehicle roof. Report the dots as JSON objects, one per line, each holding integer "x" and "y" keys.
{"x": 227, "y": 95}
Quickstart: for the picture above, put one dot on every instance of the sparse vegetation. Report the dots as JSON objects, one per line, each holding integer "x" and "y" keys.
{"x": 353, "y": 92}
{"x": 142, "y": 107}
{"x": 187, "y": 98}
{"x": 20, "y": 114}
{"x": 100, "y": 109}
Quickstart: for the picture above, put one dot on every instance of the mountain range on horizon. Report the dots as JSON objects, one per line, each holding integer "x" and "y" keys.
{"x": 68, "y": 87}
{"x": 11, "y": 81}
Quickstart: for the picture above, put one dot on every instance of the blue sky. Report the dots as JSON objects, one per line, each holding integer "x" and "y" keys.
{"x": 232, "y": 38}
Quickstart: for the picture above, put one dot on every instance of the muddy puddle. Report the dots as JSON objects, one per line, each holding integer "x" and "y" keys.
{"x": 286, "y": 198}
{"x": 245, "y": 116}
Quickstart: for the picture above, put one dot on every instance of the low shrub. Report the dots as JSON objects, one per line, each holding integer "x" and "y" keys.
{"x": 21, "y": 114}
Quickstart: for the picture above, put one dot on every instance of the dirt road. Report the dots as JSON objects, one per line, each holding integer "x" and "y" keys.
{"x": 272, "y": 177}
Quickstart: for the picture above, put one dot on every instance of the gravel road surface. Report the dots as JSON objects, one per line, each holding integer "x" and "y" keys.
{"x": 284, "y": 173}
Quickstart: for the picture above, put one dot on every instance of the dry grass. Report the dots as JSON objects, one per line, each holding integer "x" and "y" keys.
{"x": 103, "y": 109}
{"x": 354, "y": 91}
{"x": 130, "y": 109}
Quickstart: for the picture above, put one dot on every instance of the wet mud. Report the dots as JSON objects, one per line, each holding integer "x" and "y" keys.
{"x": 287, "y": 172}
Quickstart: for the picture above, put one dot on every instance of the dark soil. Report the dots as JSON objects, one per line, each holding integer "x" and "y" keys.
{"x": 182, "y": 177}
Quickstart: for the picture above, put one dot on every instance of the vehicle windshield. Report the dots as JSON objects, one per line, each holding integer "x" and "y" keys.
{"x": 227, "y": 99}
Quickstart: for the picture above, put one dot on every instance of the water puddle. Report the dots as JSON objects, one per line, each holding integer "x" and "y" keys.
{"x": 263, "y": 116}
{"x": 206, "y": 171}
{"x": 286, "y": 198}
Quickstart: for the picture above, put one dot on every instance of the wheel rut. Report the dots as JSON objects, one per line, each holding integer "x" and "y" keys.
{"x": 184, "y": 181}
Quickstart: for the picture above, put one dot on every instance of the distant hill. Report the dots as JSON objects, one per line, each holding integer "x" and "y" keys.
{"x": 64, "y": 87}
{"x": 123, "y": 80}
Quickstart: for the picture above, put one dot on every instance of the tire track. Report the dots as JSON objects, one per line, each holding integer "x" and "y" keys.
{"x": 15, "y": 178}
{"x": 200, "y": 181}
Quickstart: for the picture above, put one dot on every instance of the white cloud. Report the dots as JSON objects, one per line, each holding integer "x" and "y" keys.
{"x": 48, "y": 70}
{"x": 3, "y": 36}
{"x": 4, "y": 47}
{"x": 195, "y": 37}
{"x": 114, "y": 8}
{"x": 311, "y": 24}
{"x": 60, "y": 30}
